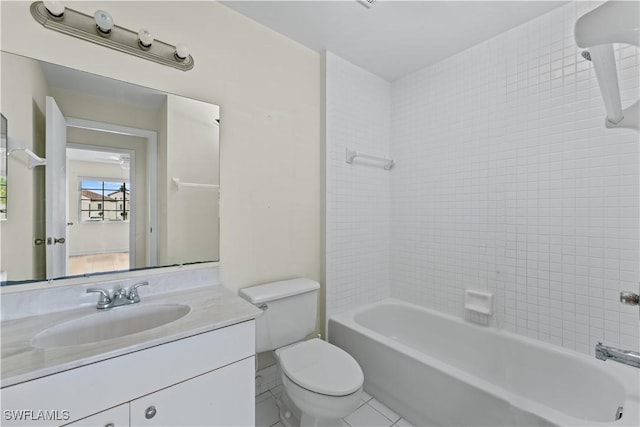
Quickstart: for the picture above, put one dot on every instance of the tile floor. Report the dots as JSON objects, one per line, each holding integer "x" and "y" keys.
{"x": 83, "y": 264}
{"x": 370, "y": 413}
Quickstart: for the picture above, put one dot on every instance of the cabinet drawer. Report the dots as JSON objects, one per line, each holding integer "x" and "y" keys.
{"x": 224, "y": 397}
{"x": 92, "y": 388}
{"x": 114, "y": 417}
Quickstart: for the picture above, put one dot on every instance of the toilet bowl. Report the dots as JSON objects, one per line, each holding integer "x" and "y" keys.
{"x": 321, "y": 382}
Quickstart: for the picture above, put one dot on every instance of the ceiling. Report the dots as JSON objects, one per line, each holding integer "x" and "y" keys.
{"x": 97, "y": 156}
{"x": 92, "y": 84}
{"x": 392, "y": 38}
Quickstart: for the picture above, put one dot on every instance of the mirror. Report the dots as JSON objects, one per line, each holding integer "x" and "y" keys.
{"x": 130, "y": 178}
{"x": 3, "y": 167}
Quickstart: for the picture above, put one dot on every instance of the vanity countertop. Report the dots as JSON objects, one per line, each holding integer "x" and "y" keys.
{"x": 212, "y": 307}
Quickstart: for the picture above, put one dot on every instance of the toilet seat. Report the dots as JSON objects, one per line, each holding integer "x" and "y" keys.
{"x": 321, "y": 367}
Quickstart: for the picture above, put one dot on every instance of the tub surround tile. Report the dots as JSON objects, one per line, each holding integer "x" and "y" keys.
{"x": 358, "y": 195}
{"x": 507, "y": 181}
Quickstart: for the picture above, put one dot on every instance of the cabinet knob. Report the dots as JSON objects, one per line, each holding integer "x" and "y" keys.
{"x": 110, "y": 425}
{"x": 150, "y": 412}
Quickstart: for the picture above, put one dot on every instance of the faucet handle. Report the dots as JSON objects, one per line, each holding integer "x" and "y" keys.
{"x": 104, "y": 300}
{"x": 133, "y": 291}
{"x": 629, "y": 298}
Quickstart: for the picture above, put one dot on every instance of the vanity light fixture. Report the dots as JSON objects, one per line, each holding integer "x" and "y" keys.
{"x": 100, "y": 29}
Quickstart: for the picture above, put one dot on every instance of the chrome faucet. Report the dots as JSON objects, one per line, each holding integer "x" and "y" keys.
{"x": 630, "y": 358}
{"x": 121, "y": 296}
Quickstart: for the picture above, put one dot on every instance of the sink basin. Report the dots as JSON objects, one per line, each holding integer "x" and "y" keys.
{"x": 109, "y": 324}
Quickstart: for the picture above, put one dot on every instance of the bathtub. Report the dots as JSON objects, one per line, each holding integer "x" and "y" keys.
{"x": 437, "y": 370}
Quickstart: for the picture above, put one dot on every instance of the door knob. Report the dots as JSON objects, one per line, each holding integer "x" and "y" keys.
{"x": 60, "y": 240}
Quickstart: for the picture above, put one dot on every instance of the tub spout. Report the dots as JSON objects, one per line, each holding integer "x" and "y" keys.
{"x": 630, "y": 358}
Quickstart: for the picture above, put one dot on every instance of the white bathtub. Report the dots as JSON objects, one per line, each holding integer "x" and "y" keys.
{"x": 435, "y": 369}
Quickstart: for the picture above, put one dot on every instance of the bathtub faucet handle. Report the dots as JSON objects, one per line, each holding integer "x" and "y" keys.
{"x": 629, "y": 298}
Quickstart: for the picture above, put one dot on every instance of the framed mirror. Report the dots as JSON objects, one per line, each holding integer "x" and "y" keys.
{"x": 130, "y": 181}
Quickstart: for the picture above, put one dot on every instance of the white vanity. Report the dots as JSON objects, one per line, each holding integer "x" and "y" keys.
{"x": 195, "y": 370}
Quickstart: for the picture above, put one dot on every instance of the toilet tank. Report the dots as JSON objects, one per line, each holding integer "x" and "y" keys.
{"x": 289, "y": 311}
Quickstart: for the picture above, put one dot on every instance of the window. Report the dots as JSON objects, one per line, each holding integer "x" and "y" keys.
{"x": 104, "y": 200}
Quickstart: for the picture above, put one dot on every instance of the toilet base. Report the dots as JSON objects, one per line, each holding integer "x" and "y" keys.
{"x": 291, "y": 416}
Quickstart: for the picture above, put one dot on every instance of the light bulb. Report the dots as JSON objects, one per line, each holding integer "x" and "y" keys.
{"x": 104, "y": 22}
{"x": 182, "y": 52}
{"x": 55, "y": 8}
{"x": 145, "y": 39}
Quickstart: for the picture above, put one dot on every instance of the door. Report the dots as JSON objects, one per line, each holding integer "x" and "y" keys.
{"x": 56, "y": 190}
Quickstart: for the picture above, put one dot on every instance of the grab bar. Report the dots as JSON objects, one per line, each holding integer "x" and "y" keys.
{"x": 352, "y": 154}
{"x": 178, "y": 184}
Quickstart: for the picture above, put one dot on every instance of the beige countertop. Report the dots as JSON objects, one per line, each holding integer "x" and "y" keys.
{"x": 212, "y": 307}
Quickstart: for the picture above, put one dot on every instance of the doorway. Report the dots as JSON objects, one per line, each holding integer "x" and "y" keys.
{"x": 101, "y": 190}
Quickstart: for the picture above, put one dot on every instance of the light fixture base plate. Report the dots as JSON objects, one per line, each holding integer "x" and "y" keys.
{"x": 82, "y": 26}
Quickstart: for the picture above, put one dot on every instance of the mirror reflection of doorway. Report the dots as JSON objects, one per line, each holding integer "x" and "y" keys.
{"x": 100, "y": 209}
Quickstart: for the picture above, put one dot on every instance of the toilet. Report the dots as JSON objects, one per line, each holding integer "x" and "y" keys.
{"x": 321, "y": 382}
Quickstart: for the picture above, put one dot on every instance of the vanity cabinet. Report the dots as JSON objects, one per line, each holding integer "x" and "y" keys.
{"x": 202, "y": 380}
{"x": 215, "y": 398}
{"x": 114, "y": 417}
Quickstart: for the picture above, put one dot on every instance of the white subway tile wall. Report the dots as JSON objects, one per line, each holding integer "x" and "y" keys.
{"x": 508, "y": 181}
{"x": 357, "y": 195}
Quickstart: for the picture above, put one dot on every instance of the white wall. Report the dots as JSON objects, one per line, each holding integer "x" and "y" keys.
{"x": 508, "y": 181}
{"x": 357, "y": 195}
{"x": 268, "y": 88}
{"x": 25, "y": 115}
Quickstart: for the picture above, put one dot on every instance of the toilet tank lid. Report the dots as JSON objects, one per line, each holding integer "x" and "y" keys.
{"x": 276, "y": 290}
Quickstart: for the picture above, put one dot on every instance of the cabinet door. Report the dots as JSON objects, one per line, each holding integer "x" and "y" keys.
{"x": 224, "y": 397}
{"x": 114, "y": 417}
